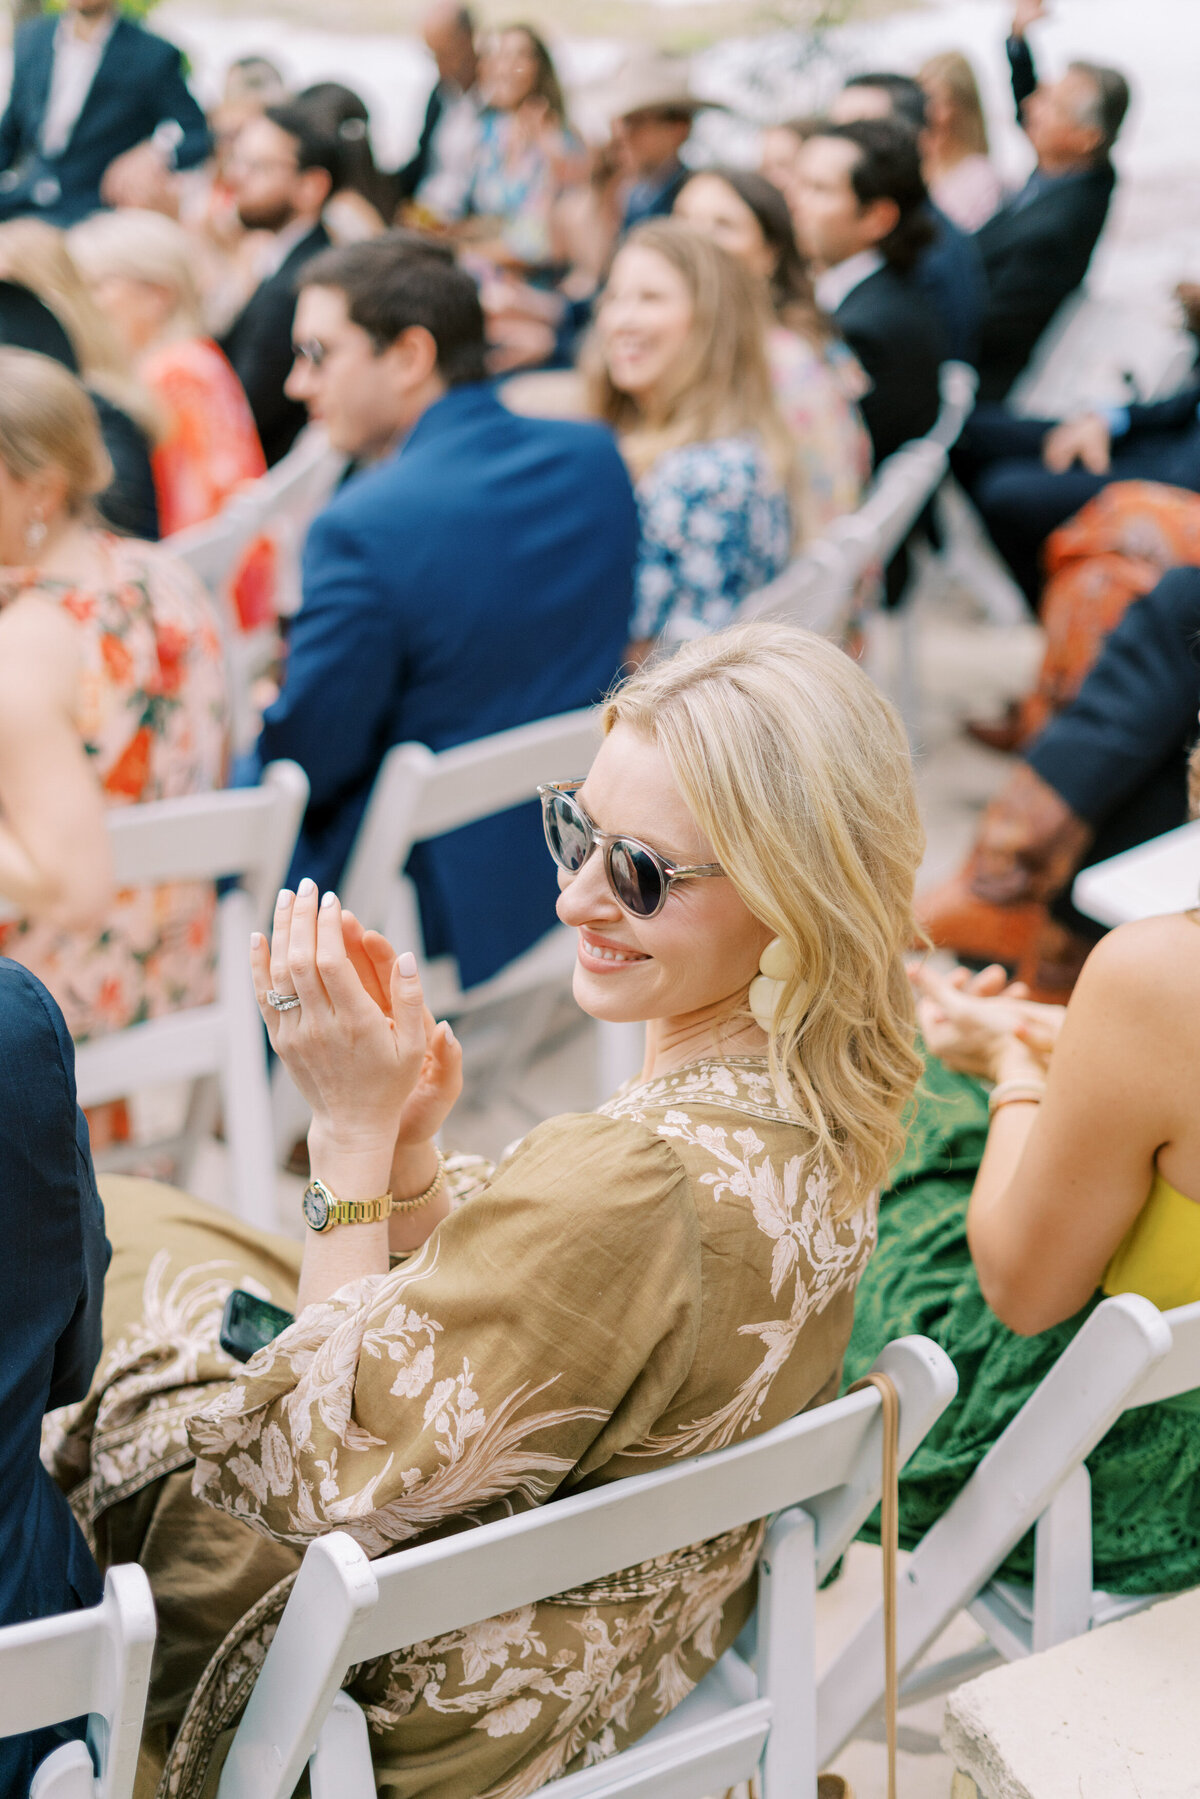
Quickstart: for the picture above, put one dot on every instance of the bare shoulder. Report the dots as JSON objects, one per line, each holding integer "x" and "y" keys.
{"x": 39, "y": 650}
{"x": 1151, "y": 967}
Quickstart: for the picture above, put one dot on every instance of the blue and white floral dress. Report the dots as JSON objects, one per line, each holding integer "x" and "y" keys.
{"x": 715, "y": 527}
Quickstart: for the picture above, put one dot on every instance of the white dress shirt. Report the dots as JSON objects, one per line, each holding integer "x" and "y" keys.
{"x": 452, "y": 155}
{"x": 833, "y": 285}
{"x": 76, "y": 60}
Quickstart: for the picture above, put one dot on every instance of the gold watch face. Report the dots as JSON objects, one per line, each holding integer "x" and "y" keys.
{"x": 315, "y": 1205}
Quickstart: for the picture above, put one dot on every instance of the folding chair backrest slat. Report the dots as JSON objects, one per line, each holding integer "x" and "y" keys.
{"x": 94, "y": 1662}
{"x": 504, "y": 1566}
{"x": 418, "y": 795}
{"x": 205, "y": 836}
{"x": 1179, "y": 1370}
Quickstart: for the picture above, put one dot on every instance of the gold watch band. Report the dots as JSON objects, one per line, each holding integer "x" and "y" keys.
{"x": 323, "y": 1209}
{"x": 361, "y": 1211}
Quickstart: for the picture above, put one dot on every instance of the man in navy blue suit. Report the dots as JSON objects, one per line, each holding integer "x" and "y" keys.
{"x": 92, "y": 95}
{"x": 478, "y": 576}
{"x": 51, "y": 1284}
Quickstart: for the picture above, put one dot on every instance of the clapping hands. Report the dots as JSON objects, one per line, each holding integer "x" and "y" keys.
{"x": 362, "y": 1046}
{"x": 984, "y": 1025}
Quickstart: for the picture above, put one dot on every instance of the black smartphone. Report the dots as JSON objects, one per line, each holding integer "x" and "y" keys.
{"x": 249, "y": 1323}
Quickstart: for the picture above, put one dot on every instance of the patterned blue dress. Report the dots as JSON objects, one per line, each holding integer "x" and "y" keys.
{"x": 715, "y": 528}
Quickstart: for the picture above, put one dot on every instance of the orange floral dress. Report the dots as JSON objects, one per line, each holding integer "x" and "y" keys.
{"x": 210, "y": 450}
{"x": 153, "y": 715}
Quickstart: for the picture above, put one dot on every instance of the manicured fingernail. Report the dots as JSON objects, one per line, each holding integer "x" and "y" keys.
{"x": 327, "y": 899}
{"x": 286, "y": 896}
{"x": 306, "y": 888}
{"x": 256, "y": 940}
{"x": 450, "y": 1037}
{"x": 407, "y": 963}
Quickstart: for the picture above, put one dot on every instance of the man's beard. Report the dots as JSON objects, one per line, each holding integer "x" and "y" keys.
{"x": 266, "y": 218}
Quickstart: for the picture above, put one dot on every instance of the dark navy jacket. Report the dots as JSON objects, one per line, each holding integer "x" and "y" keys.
{"x": 480, "y": 578}
{"x": 53, "y": 1255}
{"x": 138, "y": 87}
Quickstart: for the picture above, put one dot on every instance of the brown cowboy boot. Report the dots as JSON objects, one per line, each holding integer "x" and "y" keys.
{"x": 1028, "y": 847}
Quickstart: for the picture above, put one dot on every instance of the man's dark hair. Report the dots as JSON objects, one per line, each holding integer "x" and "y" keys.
{"x": 906, "y": 96}
{"x": 316, "y": 148}
{"x": 889, "y": 168}
{"x": 1107, "y": 112}
{"x": 402, "y": 279}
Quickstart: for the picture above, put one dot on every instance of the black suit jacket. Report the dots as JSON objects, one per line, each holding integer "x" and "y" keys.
{"x": 1135, "y": 713}
{"x": 901, "y": 343}
{"x": 51, "y": 1287}
{"x": 138, "y": 87}
{"x": 1035, "y": 252}
{"x": 259, "y": 345}
{"x": 409, "y": 178}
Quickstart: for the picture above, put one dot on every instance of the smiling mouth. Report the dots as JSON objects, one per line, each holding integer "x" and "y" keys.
{"x": 605, "y": 952}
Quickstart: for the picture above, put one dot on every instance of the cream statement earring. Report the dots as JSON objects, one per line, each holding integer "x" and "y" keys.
{"x": 35, "y": 534}
{"x": 766, "y": 989}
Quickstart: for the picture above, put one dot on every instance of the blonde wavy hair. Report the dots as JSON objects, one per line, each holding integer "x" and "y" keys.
{"x": 798, "y": 771}
{"x": 142, "y": 246}
{"x": 951, "y": 71}
{"x": 720, "y": 385}
{"x": 47, "y": 421}
{"x": 35, "y": 255}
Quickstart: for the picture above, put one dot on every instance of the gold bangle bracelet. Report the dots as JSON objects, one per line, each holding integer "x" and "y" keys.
{"x": 431, "y": 1192}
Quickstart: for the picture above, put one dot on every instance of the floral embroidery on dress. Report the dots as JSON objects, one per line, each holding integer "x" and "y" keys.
{"x": 715, "y": 527}
{"x": 628, "y": 1287}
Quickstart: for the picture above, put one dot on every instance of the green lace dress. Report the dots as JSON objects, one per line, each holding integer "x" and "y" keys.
{"x": 1146, "y": 1471}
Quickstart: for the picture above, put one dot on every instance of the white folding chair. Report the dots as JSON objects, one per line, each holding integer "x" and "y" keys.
{"x": 1157, "y": 877}
{"x": 817, "y": 590}
{"x": 1127, "y": 1355}
{"x": 419, "y": 794}
{"x": 958, "y": 383}
{"x": 819, "y": 1473}
{"x": 93, "y": 1663}
{"x": 247, "y": 834}
{"x": 281, "y": 506}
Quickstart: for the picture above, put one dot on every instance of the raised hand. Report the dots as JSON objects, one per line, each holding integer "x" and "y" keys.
{"x": 439, "y": 1082}
{"x": 355, "y": 1061}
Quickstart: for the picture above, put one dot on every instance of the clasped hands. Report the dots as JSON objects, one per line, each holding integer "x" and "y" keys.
{"x": 362, "y": 1047}
{"x": 985, "y": 1025}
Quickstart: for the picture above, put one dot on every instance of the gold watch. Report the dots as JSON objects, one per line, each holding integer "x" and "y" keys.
{"x": 323, "y": 1209}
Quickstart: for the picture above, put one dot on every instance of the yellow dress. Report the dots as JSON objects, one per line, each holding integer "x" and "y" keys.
{"x": 1159, "y": 1255}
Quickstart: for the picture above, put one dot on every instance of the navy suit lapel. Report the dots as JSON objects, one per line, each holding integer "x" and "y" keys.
{"x": 37, "y": 73}
{"x": 113, "y": 69}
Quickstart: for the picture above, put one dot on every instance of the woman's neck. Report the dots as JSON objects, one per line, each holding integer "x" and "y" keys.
{"x": 69, "y": 552}
{"x": 671, "y": 1043}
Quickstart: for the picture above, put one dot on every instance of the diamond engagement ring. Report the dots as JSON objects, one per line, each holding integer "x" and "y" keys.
{"x": 283, "y": 1002}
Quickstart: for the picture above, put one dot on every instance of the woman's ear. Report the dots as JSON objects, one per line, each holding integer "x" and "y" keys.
{"x": 47, "y": 493}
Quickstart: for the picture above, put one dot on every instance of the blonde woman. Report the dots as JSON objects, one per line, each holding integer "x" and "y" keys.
{"x": 672, "y": 1273}
{"x": 140, "y": 269}
{"x": 959, "y": 172}
{"x": 112, "y": 691}
{"x": 683, "y": 377}
{"x": 34, "y": 256}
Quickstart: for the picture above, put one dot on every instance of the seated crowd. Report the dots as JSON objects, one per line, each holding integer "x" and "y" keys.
{"x": 591, "y": 399}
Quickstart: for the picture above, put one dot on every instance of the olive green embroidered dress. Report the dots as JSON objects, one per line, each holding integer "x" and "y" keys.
{"x": 631, "y": 1286}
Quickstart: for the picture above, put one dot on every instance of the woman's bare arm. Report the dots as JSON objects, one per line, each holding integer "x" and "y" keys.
{"x": 55, "y": 858}
{"x": 1061, "y": 1183}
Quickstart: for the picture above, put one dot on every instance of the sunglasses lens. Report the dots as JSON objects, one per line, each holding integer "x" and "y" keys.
{"x": 637, "y": 879}
{"x": 567, "y": 835}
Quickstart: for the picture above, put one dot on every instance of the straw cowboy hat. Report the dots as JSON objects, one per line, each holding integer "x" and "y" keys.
{"x": 651, "y": 82}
